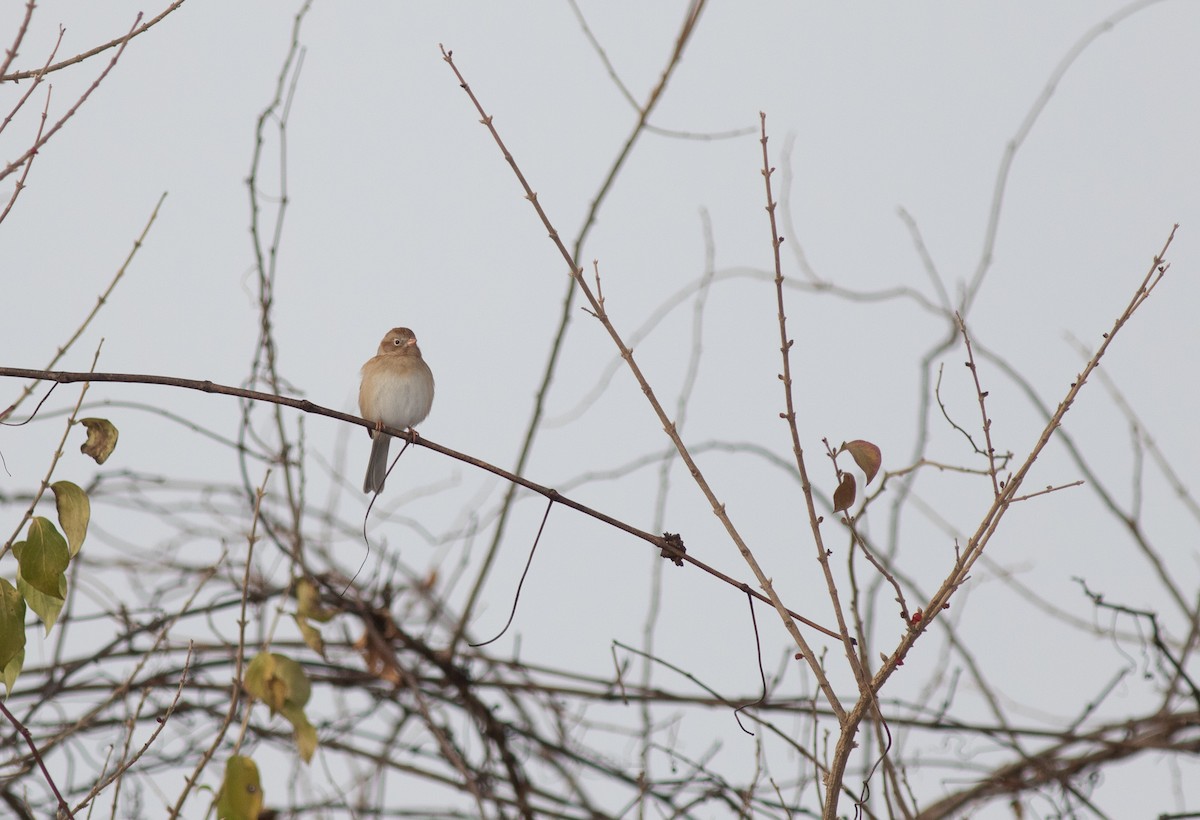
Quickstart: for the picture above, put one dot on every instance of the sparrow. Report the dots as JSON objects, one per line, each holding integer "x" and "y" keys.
{"x": 397, "y": 391}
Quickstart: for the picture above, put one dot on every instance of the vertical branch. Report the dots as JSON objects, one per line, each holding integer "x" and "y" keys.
{"x": 981, "y": 395}
{"x": 653, "y": 605}
{"x": 265, "y": 363}
{"x": 849, "y": 723}
{"x": 235, "y": 694}
{"x": 789, "y": 415}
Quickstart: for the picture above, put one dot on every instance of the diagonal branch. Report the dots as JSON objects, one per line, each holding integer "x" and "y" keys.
{"x": 564, "y": 319}
{"x": 987, "y": 525}
{"x": 79, "y": 58}
{"x": 597, "y": 310}
{"x": 669, "y": 546}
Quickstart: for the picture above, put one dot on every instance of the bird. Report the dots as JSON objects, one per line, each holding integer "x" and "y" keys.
{"x": 396, "y": 391}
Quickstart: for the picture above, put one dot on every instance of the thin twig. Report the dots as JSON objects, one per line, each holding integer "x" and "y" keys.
{"x": 989, "y": 523}
{"x": 63, "y": 806}
{"x": 100, "y": 302}
{"x": 789, "y": 417}
{"x": 981, "y": 395}
{"x": 58, "y": 454}
{"x": 78, "y": 58}
{"x": 47, "y": 136}
{"x": 718, "y": 508}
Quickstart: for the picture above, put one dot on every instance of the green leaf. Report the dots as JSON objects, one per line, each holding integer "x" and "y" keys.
{"x": 282, "y": 684}
{"x": 261, "y": 682}
{"x": 74, "y": 512}
{"x": 46, "y": 607}
{"x": 298, "y": 687}
{"x": 241, "y": 790}
{"x": 12, "y": 626}
{"x": 101, "y": 439}
{"x": 43, "y": 558}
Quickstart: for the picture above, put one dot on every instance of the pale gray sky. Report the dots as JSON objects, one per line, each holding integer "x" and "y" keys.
{"x": 403, "y": 212}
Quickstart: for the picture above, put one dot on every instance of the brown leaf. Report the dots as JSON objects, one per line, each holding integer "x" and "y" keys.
{"x": 843, "y": 496}
{"x": 866, "y": 455}
{"x": 101, "y": 439}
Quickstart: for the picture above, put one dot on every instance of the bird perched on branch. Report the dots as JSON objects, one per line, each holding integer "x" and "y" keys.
{"x": 396, "y": 391}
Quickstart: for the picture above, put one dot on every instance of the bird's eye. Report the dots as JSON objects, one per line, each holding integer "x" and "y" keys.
{"x": 397, "y": 342}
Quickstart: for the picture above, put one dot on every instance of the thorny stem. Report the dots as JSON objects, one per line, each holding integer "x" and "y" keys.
{"x": 668, "y": 426}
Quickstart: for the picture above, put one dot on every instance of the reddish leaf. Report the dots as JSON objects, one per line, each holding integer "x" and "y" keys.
{"x": 866, "y": 455}
{"x": 843, "y": 496}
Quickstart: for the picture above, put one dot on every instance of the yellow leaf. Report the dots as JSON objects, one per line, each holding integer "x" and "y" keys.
{"x": 11, "y": 671}
{"x": 74, "y": 512}
{"x": 241, "y": 790}
{"x": 306, "y": 735}
{"x": 12, "y": 626}
{"x": 277, "y": 681}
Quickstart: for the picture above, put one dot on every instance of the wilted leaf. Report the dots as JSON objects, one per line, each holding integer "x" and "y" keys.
{"x": 843, "y": 496}
{"x": 241, "y": 790}
{"x": 308, "y": 602}
{"x": 43, "y": 557}
{"x": 101, "y": 439}
{"x": 379, "y": 664}
{"x": 12, "y": 623}
{"x": 311, "y": 635}
{"x": 866, "y": 455}
{"x": 74, "y": 512}
{"x": 306, "y": 735}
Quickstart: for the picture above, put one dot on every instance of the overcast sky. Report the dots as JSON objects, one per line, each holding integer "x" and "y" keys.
{"x": 403, "y": 212}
